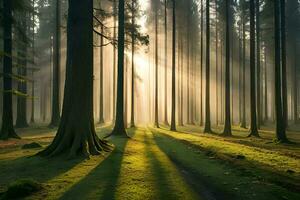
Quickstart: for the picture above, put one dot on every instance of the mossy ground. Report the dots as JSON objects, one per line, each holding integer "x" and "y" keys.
{"x": 156, "y": 164}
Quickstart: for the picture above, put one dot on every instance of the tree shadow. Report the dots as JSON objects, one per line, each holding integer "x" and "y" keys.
{"x": 160, "y": 174}
{"x": 37, "y": 168}
{"x": 102, "y": 181}
{"x": 198, "y": 182}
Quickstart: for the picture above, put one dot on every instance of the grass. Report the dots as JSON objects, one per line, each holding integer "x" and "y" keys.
{"x": 154, "y": 164}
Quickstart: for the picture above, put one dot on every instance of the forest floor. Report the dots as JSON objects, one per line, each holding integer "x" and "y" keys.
{"x": 160, "y": 164}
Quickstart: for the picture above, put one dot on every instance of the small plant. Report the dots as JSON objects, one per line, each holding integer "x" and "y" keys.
{"x": 22, "y": 188}
{"x": 32, "y": 145}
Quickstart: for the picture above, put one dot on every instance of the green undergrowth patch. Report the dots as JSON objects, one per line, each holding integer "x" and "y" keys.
{"x": 21, "y": 188}
{"x": 220, "y": 176}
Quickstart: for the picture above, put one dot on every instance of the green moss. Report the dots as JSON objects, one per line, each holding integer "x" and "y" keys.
{"x": 32, "y": 145}
{"x": 22, "y": 188}
{"x": 151, "y": 165}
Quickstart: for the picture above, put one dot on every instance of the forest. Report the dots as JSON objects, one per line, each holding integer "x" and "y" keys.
{"x": 150, "y": 99}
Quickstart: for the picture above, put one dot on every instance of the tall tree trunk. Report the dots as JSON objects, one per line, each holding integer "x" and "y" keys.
{"x": 21, "y": 121}
{"x": 156, "y": 123}
{"x": 253, "y": 118}
{"x": 240, "y": 73}
{"x": 283, "y": 63}
{"x": 295, "y": 86}
{"x": 266, "y": 85}
{"x": 55, "y": 113}
{"x": 217, "y": 66}
{"x": 76, "y": 134}
{"x": 188, "y": 68}
{"x": 33, "y": 61}
{"x": 7, "y": 129}
{"x": 207, "y": 126}
{"x": 166, "y": 63}
{"x": 258, "y": 72}
{"x": 119, "y": 128}
{"x": 227, "y": 126}
{"x": 180, "y": 123}
{"x": 279, "y": 118}
{"x": 243, "y": 123}
{"x": 173, "y": 113}
{"x": 201, "y": 65}
{"x": 101, "y": 100}
{"x": 115, "y": 10}
{"x": 132, "y": 124}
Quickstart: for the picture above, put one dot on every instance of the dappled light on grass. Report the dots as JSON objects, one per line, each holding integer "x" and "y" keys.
{"x": 272, "y": 160}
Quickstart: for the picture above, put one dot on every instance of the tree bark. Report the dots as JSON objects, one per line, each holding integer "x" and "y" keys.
{"x": 76, "y": 134}
{"x": 207, "y": 126}
{"x": 201, "y": 65}
{"x": 7, "y": 129}
{"x": 279, "y": 118}
{"x": 119, "y": 128}
{"x": 173, "y": 111}
{"x": 166, "y": 63}
{"x": 227, "y": 126}
{"x": 253, "y": 118}
{"x": 132, "y": 123}
{"x": 55, "y": 113}
{"x": 243, "y": 123}
{"x": 283, "y": 63}
{"x": 156, "y": 123}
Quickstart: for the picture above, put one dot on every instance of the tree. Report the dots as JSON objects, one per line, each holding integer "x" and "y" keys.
{"x": 7, "y": 129}
{"x": 201, "y": 63}
{"x": 166, "y": 62}
{"x": 283, "y": 62}
{"x": 258, "y": 64}
{"x": 279, "y": 118}
{"x": 253, "y": 118}
{"x": 243, "y": 121}
{"x": 133, "y": 3}
{"x": 207, "y": 127}
{"x": 227, "y": 127}
{"x": 55, "y": 112}
{"x": 173, "y": 122}
{"x": 22, "y": 44}
{"x": 76, "y": 135}
{"x": 156, "y": 123}
{"x": 119, "y": 128}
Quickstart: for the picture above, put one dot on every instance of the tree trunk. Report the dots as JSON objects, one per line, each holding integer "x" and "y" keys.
{"x": 279, "y": 118}
{"x": 243, "y": 123}
{"x": 201, "y": 65}
{"x": 266, "y": 85}
{"x": 166, "y": 64}
{"x": 217, "y": 67}
{"x": 283, "y": 63}
{"x": 115, "y": 10}
{"x": 119, "y": 128}
{"x": 207, "y": 126}
{"x": 7, "y": 129}
{"x": 132, "y": 124}
{"x": 156, "y": 123}
{"x": 258, "y": 65}
{"x": 101, "y": 101}
{"x": 180, "y": 123}
{"x": 21, "y": 121}
{"x": 253, "y": 119}
{"x": 55, "y": 115}
{"x": 76, "y": 134}
{"x": 33, "y": 61}
{"x": 227, "y": 126}
{"x": 295, "y": 86}
{"x": 173, "y": 112}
